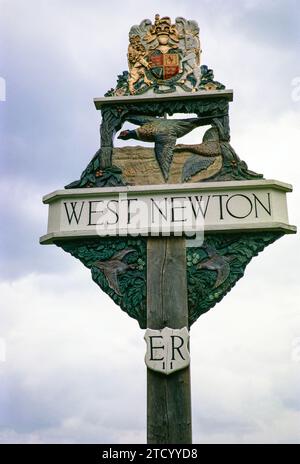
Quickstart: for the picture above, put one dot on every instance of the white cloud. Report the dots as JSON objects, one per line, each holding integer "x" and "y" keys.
{"x": 69, "y": 349}
{"x": 75, "y": 369}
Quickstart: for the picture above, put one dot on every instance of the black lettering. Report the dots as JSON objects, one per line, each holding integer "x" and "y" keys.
{"x": 128, "y": 208}
{"x": 93, "y": 211}
{"x": 73, "y": 212}
{"x": 176, "y": 347}
{"x": 155, "y": 348}
{"x": 164, "y": 215}
{"x": 173, "y": 208}
{"x": 221, "y": 204}
{"x": 257, "y": 200}
{"x": 233, "y": 215}
{"x": 112, "y": 211}
{"x": 199, "y": 201}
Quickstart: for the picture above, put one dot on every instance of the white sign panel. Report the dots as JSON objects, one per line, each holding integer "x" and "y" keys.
{"x": 167, "y": 349}
{"x": 168, "y": 209}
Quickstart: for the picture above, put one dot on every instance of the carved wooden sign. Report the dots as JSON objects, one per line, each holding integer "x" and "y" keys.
{"x": 129, "y": 215}
{"x": 185, "y": 208}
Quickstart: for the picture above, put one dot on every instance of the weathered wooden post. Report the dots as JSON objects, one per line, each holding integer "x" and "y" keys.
{"x": 128, "y": 216}
{"x": 168, "y": 397}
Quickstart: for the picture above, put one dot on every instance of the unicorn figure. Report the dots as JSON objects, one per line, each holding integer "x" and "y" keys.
{"x": 190, "y": 63}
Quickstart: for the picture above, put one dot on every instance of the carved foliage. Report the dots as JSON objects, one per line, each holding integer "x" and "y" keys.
{"x": 132, "y": 283}
{"x": 236, "y": 249}
{"x": 239, "y": 249}
{"x": 207, "y": 82}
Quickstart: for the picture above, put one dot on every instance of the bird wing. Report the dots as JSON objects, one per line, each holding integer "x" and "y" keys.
{"x": 164, "y": 145}
{"x": 184, "y": 126}
{"x": 121, "y": 254}
{"x": 140, "y": 119}
{"x": 195, "y": 164}
{"x": 223, "y": 273}
{"x": 210, "y": 250}
{"x": 112, "y": 280}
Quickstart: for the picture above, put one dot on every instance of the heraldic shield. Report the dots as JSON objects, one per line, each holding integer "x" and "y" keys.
{"x": 167, "y": 349}
{"x": 164, "y": 65}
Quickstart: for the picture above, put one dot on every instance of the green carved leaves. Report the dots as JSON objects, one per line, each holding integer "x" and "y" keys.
{"x": 212, "y": 269}
{"x": 238, "y": 250}
{"x": 132, "y": 283}
{"x": 233, "y": 168}
{"x": 207, "y": 82}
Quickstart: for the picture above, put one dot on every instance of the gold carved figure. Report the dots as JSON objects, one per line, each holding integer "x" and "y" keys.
{"x": 137, "y": 63}
{"x": 164, "y": 33}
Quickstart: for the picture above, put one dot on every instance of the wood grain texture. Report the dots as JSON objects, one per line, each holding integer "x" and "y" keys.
{"x": 168, "y": 397}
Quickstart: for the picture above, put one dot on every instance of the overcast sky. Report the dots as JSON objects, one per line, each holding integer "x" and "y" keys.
{"x": 74, "y": 367}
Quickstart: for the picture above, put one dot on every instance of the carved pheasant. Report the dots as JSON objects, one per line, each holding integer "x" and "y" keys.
{"x": 164, "y": 133}
{"x": 218, "y": 263}
{"x": 113, "y": 267}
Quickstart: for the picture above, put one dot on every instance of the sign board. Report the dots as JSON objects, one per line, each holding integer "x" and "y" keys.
{"x": 167, "y": 349}
{"x": 171, "y": 209}
{"x": 127, "y": 194}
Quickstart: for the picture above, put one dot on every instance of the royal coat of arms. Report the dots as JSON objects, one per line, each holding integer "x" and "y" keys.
{"x": 163, "y": 51}
{"x": 163, "y": 57}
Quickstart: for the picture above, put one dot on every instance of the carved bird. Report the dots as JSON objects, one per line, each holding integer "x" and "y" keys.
{"x": 113, "y": 267}
{"x": 164, "y": 133}
{"x": 218, "y": 263}
{"x": 204, "y": 154}
{"x": 195, "y": 164}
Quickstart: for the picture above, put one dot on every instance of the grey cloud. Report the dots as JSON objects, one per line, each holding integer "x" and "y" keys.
{"x": 273, "y": 23}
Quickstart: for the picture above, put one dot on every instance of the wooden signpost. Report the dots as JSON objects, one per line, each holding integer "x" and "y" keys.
{"x": 167, "y": 231}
